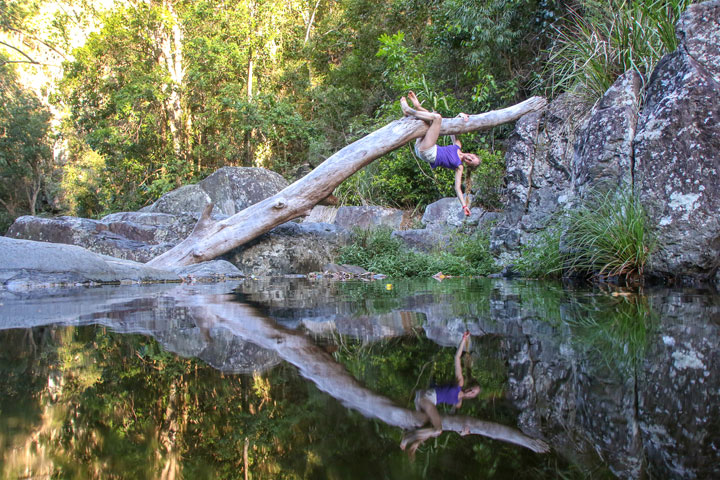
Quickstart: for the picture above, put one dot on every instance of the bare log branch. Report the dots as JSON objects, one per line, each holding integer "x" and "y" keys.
{"x": 297, "y": 199}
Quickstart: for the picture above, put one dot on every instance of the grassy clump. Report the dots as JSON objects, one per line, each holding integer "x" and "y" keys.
{"x": 599, "y": 41}
{"x": 542, "y": 258}
{"x": 377, "y": 251}
{"x": 608, "y": 236}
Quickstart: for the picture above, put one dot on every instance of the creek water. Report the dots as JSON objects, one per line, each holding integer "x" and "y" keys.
{"x": 301, "y": 378}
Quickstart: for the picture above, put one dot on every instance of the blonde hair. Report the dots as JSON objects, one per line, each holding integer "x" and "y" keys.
{"x": 467, "y": 171}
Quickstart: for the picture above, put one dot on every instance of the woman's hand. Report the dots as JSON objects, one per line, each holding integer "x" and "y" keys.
{"x": 466, "y": 210}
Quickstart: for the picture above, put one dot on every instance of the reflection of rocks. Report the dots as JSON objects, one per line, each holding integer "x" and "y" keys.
{"x": 160, "y": 311}
{"x": 680, "y": 400}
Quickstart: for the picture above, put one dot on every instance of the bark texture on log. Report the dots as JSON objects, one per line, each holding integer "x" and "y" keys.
{"x": 331, "y": 377}
{"x": 216, "y": 238}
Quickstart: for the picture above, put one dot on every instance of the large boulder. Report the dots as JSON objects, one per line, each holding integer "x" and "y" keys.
{"x": 370, "y": 217}
{"x": 291, "y": 248}
{"x": 133, "y": 236}
{"x": 142, "y": 236}
{"x": 424, "y": 239}
{"x": 677, "y": 147}
{"x": 446, "y": 215}
{"x": 603, "y": 151}
{"x": 231, "y": 189}
{"x": 27, "y": 264}
{"x": 442, "y": 219}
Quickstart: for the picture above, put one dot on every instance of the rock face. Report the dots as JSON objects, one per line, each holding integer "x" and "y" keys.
{"x": 677, "y": 147}
{"x": 231, "y": 189}
{"x": 539, "y": 171}
{"x": 669, "y": 152}
{"x": 135, "y": 236}
{"x": 26, "y": 264}
{"x": 603, "y": 152}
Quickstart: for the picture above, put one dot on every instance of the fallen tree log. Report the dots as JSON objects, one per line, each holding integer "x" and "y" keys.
{"x": 211, "y": 239}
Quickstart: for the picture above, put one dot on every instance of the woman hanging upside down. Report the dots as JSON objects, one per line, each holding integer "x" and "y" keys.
{"x": 427, "y": 401}
{"x": 450, "y": 157}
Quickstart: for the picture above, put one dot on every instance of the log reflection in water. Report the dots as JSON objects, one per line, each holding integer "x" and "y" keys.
{"x": 220, "y": 311}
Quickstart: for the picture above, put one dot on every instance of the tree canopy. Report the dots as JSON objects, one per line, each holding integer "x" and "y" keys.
{"x": 146, "y": 96}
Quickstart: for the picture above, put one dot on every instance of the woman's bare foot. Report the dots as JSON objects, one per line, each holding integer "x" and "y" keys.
{"x": 407, "y": 111}
{"x": 413, "y": 448}
{"x": 413, "y": 98}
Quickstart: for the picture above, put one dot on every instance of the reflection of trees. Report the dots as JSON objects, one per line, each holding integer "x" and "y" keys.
{"x": 331, "y": 377}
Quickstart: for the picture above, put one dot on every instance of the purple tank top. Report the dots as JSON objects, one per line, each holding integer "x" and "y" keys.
{"x": 447, "y": 157}
{"x": 447, "y": 394}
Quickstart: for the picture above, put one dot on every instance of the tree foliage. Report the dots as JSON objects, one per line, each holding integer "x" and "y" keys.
{"x": 25, "y": 147}
{"x": 164, "y": 92}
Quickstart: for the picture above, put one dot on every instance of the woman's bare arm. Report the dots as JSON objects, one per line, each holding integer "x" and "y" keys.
{"x": 458, "y": 367}
{"x": 458, "y": 185}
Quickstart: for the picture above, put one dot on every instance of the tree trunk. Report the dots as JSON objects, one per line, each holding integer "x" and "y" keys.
{"x": 330, "y": 376}
{"x": 171, "y": 46}
{"x": 211, "y": 239}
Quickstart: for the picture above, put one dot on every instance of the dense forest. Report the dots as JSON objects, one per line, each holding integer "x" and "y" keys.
{"x": 107, "y": 105}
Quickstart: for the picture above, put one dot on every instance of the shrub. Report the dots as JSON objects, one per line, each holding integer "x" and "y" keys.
{"x": 608, "y": 236}
{"x": 542, "y": 258}
{"x": 488, "y": 180}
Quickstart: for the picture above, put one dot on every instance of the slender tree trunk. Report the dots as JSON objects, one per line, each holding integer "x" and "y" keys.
{"x": 171, "y": 45}
{"x": 210, "y": 239}
{"x": 248, "y": 155}
{"x": 310, "y": 22}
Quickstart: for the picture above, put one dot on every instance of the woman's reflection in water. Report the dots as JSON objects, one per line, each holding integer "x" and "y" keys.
{"x": 427, "y": 401}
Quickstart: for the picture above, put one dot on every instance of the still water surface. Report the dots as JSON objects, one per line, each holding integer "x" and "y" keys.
{"x": 297, "y": 378}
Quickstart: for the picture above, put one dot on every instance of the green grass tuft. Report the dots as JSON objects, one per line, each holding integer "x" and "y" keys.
{"x": 610, "y": 235}
{"x": 377, "y": 251}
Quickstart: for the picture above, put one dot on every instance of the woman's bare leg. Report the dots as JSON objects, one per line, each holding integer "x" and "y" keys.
{"x": 418, "y": 437}
{"x": 421, "y": 114}
{"x": 432, "y": 134}
{"x": 435, "y": 120}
